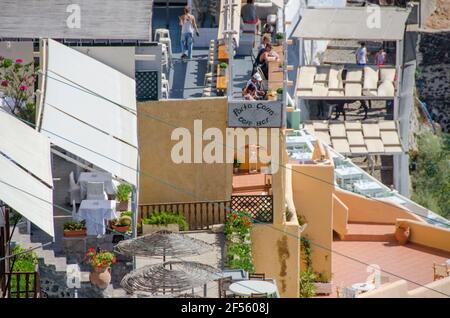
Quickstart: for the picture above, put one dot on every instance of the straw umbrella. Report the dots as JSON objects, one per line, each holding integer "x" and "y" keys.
{"x": 163, "y": 243}
{"x": 178, "y": 277}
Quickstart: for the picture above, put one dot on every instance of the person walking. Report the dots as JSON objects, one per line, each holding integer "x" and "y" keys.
{"x": 361, "y": 54}
{"x": 188, "y": 27}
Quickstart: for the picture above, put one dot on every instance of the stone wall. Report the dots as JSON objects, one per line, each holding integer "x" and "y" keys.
{"x": 433, "y": 81}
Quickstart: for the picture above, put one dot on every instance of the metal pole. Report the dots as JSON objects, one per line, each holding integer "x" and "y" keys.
{"x": 285, "y": 68}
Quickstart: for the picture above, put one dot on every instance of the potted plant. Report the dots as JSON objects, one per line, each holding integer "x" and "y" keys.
{"x": 236, "y": 166}
{"x": 168, "y": 221}
{"x": 121, "y": 224}
{"x": 101, "y": 263}
{"x": 279, "y": 37}
{"x": 123, "y": 194}
{"x": 223, "y": 66}
{"x": 74, "y": 229}
{"x": 402, "y": 233}
{"x": 322, "y": 284}
{"x": 280, "y": 93}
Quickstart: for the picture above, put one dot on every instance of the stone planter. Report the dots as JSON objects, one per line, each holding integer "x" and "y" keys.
{"x": 235, "y": 170}
{"x": 100, "y": 277}
{"x": 402, "y": 234}
{"x": 75, "y": 233}
{"x": 152, "y": 228}
{"x": 323, "y": 288}
{"x": 122, "y": 206}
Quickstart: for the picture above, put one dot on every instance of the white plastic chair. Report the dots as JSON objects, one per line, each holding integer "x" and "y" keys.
{"x": 96, "y": 191}
{"x": 161, "y": 34}
{"x": 74, "y": 190}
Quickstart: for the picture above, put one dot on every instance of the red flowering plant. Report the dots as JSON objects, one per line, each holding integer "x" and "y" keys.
{"x": 238, "y": 221}
{"x": 17, "y": 88}
{"x": 100, "y": 260}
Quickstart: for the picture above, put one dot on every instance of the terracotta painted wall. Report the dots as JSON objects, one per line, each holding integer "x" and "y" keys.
{"x": 171, "y": 182}
{"x": 362, "y": 209}
{"x": 313, "y": 199}
{"x": 428, "y": 235}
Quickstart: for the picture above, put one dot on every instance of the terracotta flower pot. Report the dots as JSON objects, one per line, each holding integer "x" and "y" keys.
{"x": 402, "y": 234}
{"x": 75, "y": 233}
{"x": 100, "y": 277}
{"x": 120, "y": 229}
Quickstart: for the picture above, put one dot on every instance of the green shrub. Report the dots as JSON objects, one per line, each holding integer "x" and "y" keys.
{"x": 431, "y": 179}
{"x": 165, "y": 218}
{"x": 280, "y": 91}
{"x": 307, "y": 287}
{"x": 123, "y": 192}
{"x": 74, "y": 225}
{"x": 23, "y": 263}
{"x": 279, "y": 36}
{"x": 223, "y": 65}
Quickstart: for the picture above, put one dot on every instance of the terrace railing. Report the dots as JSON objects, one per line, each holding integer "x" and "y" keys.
{"x": 202, "y": 215}
{"x": 260, "y": 206}
{"x": 20, "y": 285}
{"x": 199, "y": 215}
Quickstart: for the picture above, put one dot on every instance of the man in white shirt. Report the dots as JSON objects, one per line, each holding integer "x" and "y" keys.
{"x": 361, "y": 54}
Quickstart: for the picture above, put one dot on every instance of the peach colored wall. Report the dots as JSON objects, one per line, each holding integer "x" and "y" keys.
{"x": 399, "y": 289}
{"x": 276, "y": 252}
{"x": 428, "y": 235}
{"x": 363, "y": 209}
{"x": 312, "y": 189}
{"x": 185, "y": 182}
{"x": 340, "y": 217}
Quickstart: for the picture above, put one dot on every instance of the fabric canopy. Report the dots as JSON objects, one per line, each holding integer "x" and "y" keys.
{"x": 353, "y": 23}
{"x": 25, "y": 146}
{"x": 25, "y": 166}
{"x": 80, "y": 19}
{"x": 89, "y": 109}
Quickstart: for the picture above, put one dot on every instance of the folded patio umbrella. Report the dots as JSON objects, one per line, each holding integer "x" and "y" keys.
{"x": 163, "y": 243}
{"x": 170, "y": 277}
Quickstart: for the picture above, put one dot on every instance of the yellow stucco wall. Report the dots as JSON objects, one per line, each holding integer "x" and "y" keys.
{"x": 312, "y": 188}
{"x": 427, "y": 235}
{"x": 171, "y": 182}
{"x": 366, "y": 210}
{"x": 276, "y": 252}
{"x": 340, "y": 217}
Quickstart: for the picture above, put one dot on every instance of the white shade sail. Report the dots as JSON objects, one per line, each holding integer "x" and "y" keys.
{"x": 89, "y": 109}
{"x": 22, "y": 149}
{"x": 353, "y": 23}
{"x": 25, "y": 146}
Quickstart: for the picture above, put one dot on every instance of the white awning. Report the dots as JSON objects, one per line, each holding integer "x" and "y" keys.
{"x": 90, "y": 110}
{"x": 25, "y": 166}
{"x": 25, "y": 146}
{"x": 353, "y": 23}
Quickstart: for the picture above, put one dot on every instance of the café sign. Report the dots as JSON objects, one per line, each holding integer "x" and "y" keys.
{"x": 255, "y": 114}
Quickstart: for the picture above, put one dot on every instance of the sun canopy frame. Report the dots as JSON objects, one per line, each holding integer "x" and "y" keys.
{"x": 353, "y": 23}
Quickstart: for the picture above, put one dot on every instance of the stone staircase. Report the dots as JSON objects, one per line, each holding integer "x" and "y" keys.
{"x": 370, "y": 232}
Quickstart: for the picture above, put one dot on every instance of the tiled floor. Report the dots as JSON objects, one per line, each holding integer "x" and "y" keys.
{"x": 411, "y": 262}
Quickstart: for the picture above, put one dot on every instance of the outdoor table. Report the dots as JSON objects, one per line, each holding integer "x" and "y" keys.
{"x": 95, "y": 212}
{"x": 275, "y": 74}
{"x": 222, "y": 54}
{"x": 106, "y": 178}
{"x": 222, "y": 81}
{"x": 246, "y": 288}
{"x": 368, "y": 188}
{"x": 363, "y": 287}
